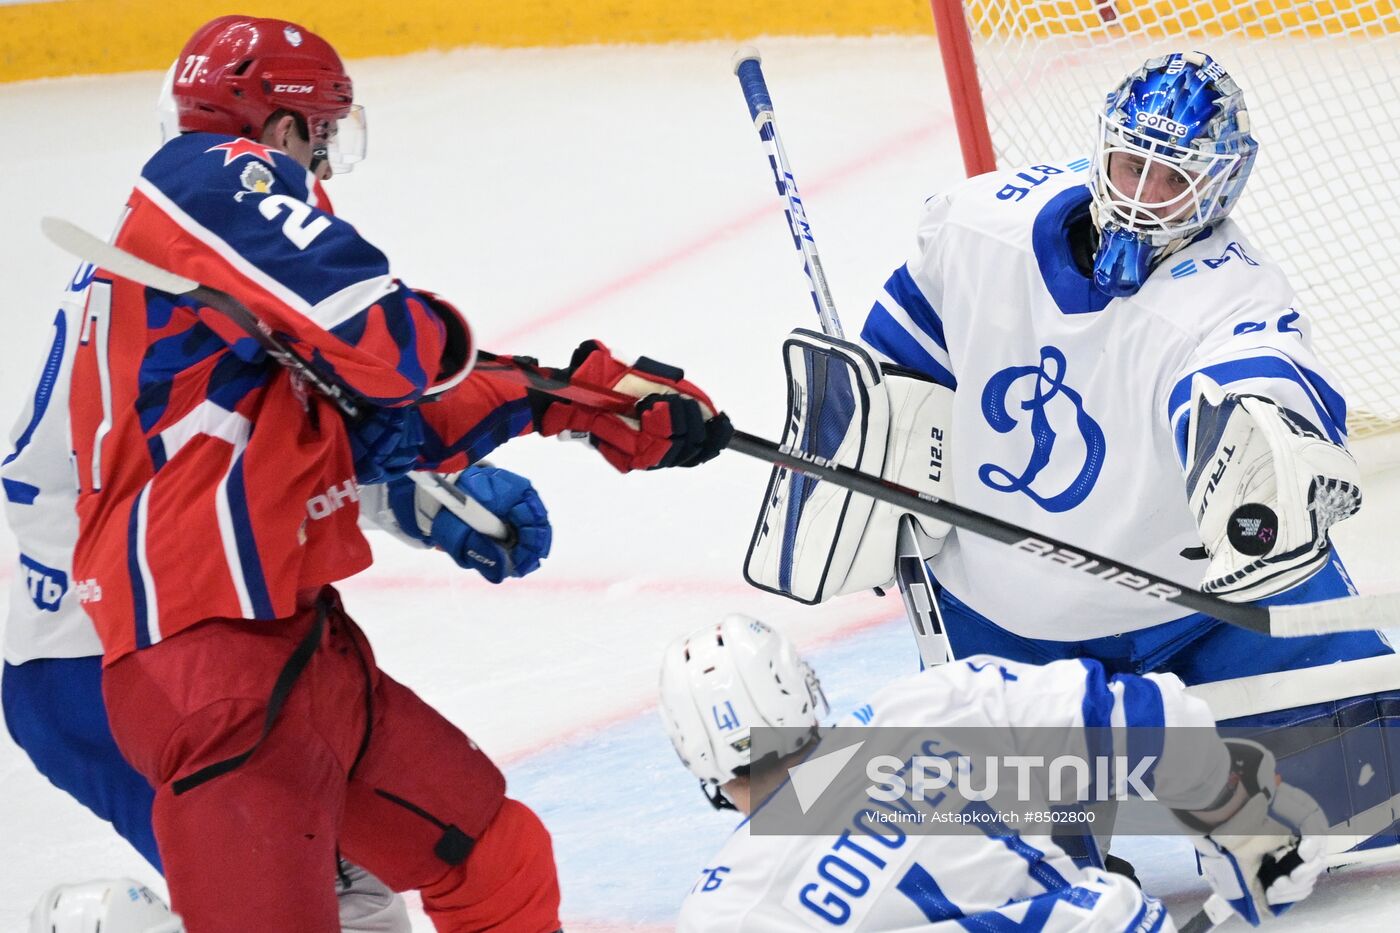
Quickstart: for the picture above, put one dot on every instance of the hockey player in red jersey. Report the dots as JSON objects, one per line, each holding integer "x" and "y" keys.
{"x": 218, "y": 502}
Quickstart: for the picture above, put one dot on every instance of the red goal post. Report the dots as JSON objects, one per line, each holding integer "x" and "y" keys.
{"x": 1322, "y": 83}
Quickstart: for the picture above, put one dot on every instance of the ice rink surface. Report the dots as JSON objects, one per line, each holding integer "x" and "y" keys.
{"x": 557, "y": 195}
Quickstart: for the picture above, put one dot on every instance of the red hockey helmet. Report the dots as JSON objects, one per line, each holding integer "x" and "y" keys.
{"x": 237, "y": 71}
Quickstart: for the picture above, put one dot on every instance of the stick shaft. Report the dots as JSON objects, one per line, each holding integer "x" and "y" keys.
{"x": 1357, "y": 613}
{"x": 760, "y": 103}
{"x": 1255, "y": 618}
{"x": 123, "y": 264}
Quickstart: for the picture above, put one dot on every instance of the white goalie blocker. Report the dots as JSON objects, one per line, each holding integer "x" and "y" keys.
{"x": 814, "y": 540}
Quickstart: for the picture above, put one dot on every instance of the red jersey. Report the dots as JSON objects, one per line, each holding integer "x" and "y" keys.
{"x": 211, "y": 483}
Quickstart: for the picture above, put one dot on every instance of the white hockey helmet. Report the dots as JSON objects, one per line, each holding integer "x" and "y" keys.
{"x": 117, "y": 905}
{"x": 719, "y": 682}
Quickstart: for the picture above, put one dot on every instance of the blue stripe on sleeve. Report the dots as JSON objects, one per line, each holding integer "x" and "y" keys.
{"x": 1180, "y": 432}
{"x": 1036, "y": 865}
{"x": 1097, "y": 712}
{"x": 44, "y": 390}
{"x": 885, "y": 334}
{"x": 1097, "y": 707}
{"x": 1331, "y": 416}
{"x": 918, "y": 885}
{"x": 1146, "y": 718}
{"x": 1331, "y": 399}
{"x": 20, "y": 493}
{"x": 902, "y": 289}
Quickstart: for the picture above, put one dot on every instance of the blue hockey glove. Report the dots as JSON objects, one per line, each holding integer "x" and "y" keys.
{"x": 385, "y": 443}
{"x": 508, "y": 495}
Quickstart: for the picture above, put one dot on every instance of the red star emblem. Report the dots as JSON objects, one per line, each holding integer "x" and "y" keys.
{"x": 237, "y": 148}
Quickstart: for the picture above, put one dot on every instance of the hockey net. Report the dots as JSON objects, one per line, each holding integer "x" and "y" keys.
{"x": 1322, "y": 85}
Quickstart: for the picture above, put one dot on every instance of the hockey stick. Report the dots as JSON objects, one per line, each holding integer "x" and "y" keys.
{"x": 747, "y": 67}
{"x": 1350, "y": 613}
{"x": 91, "y": 249}
{"x": 912, "y": 575}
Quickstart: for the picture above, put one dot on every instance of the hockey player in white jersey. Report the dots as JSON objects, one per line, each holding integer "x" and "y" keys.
{"x": 1120, "y": 368}
{"x": 877, "y": 877}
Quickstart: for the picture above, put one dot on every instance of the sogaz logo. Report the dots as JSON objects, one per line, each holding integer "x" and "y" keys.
{"x": 1156, "y": 121}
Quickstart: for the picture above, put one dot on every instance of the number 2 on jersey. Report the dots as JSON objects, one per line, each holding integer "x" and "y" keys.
{"x": 299, "y": 227}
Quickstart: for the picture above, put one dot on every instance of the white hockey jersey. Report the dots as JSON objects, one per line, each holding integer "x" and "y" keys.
{"x": 46, "y": 618}
{"x": 907, "y": 882}
{"x": 1070, "y": 409}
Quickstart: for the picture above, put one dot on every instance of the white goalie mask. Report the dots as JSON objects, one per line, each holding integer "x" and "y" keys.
{"x": 721, "y": 681}
{"x": 117, "y": 905}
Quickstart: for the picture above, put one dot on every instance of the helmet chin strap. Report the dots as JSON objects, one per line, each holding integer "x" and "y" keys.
{"x": 319, "y": 156}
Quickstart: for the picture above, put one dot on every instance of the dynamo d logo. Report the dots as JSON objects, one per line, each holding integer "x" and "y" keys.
{"x": 1049, "y": 389}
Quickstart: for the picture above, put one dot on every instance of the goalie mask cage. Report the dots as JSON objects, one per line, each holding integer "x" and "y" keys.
{"x": 1321, "y": 83}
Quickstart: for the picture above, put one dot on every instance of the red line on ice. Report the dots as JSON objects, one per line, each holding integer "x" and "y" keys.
{"x": 881, "y": 152}
{"x": 416, "y": 582}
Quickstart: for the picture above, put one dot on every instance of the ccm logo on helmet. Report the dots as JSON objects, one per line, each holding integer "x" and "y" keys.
{"x": 1156, "y": 121}
{"x": 293, "y": 88}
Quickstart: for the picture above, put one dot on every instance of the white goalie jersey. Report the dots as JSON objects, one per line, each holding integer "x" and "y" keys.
{"x": 907, "y": 881}
{"x": 1069, "y": 413}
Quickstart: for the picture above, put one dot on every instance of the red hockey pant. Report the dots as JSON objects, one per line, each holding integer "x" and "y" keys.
{"x": 253, "y": 847}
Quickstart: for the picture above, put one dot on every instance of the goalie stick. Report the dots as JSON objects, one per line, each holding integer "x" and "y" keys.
{"x": 1349, "y": 613}
{"x": 89, "y": 248}
{"x": 911, "y": 571}
{"x": 747, "y": 66}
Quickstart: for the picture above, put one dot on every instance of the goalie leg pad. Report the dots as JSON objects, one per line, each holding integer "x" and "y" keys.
{"x": 815, "y": 540}
{"x": 806, "y": 529}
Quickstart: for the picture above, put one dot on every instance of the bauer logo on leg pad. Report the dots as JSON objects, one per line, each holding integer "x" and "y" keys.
{"x": 814, "y": 540}
{"x": 808, "y": 531}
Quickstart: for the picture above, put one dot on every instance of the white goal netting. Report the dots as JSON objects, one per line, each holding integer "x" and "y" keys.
{"x": 1322, "y": 85}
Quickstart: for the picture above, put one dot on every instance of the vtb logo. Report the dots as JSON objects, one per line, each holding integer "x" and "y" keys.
{"x": 1048, "y": 387}
{"x": 47, "y": 586}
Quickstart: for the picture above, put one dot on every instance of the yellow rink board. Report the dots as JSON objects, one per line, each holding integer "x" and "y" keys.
{"x": 66, "y": 37}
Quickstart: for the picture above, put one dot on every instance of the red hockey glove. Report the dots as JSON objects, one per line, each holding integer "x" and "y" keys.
{"x": 677, "y": 423}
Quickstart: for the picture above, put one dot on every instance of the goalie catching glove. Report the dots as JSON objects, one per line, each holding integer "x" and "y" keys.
{"x": 675, "y": 425}
{"x": 1264, "y": 488}
{"x": 1267, "y": 855}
